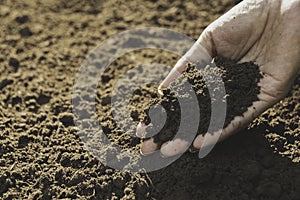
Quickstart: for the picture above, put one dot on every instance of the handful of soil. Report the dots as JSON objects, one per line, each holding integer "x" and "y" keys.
{"x": 241, "y": 90}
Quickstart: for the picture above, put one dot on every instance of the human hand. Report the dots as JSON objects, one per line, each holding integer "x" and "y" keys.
{"x": 264, "y": 31}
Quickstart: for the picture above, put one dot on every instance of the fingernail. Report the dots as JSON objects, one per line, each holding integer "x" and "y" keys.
{"x": 192, "y": 149}
{"x": 160, "y": 90}
{"x": 197, "y": 143}
{"x": 141, "y": 130}
{"x": 148, "y": 147}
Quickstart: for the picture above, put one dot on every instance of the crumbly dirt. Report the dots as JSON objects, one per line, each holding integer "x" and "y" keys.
{"x": 43, "y": 44}
{"x": 239, "y": 82}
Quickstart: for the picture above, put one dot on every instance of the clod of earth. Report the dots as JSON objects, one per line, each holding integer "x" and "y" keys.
{"x": 241, "y": 85}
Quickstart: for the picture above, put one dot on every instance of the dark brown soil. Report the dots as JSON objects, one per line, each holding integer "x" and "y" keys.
{"x": 43, "y": 44}
{"x": 241, "y": 90}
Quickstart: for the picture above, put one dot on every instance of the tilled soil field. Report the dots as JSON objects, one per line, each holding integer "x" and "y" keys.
{"x": 42, "y": 155}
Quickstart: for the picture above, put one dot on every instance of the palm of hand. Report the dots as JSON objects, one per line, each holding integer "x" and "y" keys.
{"x": 264, "y": 36}
{"x": 266, "y": 32}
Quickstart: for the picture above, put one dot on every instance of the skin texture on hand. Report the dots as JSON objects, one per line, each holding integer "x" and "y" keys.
{"x": 264, "y": 31}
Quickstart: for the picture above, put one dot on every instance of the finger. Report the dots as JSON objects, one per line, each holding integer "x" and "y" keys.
{"x": 174, "y": 147}
{"x": 206, "y": 143}
{"x": 196, "y": 54}
{"x": 148, "y": 146}
{"x": 141, "y": 130}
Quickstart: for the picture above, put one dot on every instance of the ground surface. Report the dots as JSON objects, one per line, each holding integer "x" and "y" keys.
{"x": 43, "y": 44}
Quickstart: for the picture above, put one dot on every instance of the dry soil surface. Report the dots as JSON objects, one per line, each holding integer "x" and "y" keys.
{"x": 42, "y": 156}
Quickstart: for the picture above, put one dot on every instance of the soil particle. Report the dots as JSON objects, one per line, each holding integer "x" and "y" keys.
{"x": 25, "y": 32}
{"x": 22, "y": 19}
{"x": 13, "y": 62}
{"x": 43, "y": 98}
{"x": 16, "y": 100}
{"x": 5, "y": 83}
{"x": 67, "y": 119}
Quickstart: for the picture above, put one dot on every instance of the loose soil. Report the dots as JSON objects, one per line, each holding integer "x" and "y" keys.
{"x": 43, "y": 44}
{"x": 240, "y": 84}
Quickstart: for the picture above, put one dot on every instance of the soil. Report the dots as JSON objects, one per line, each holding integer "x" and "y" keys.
{"x": 240, "y": 91}
{"x": 43, "y": 44}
